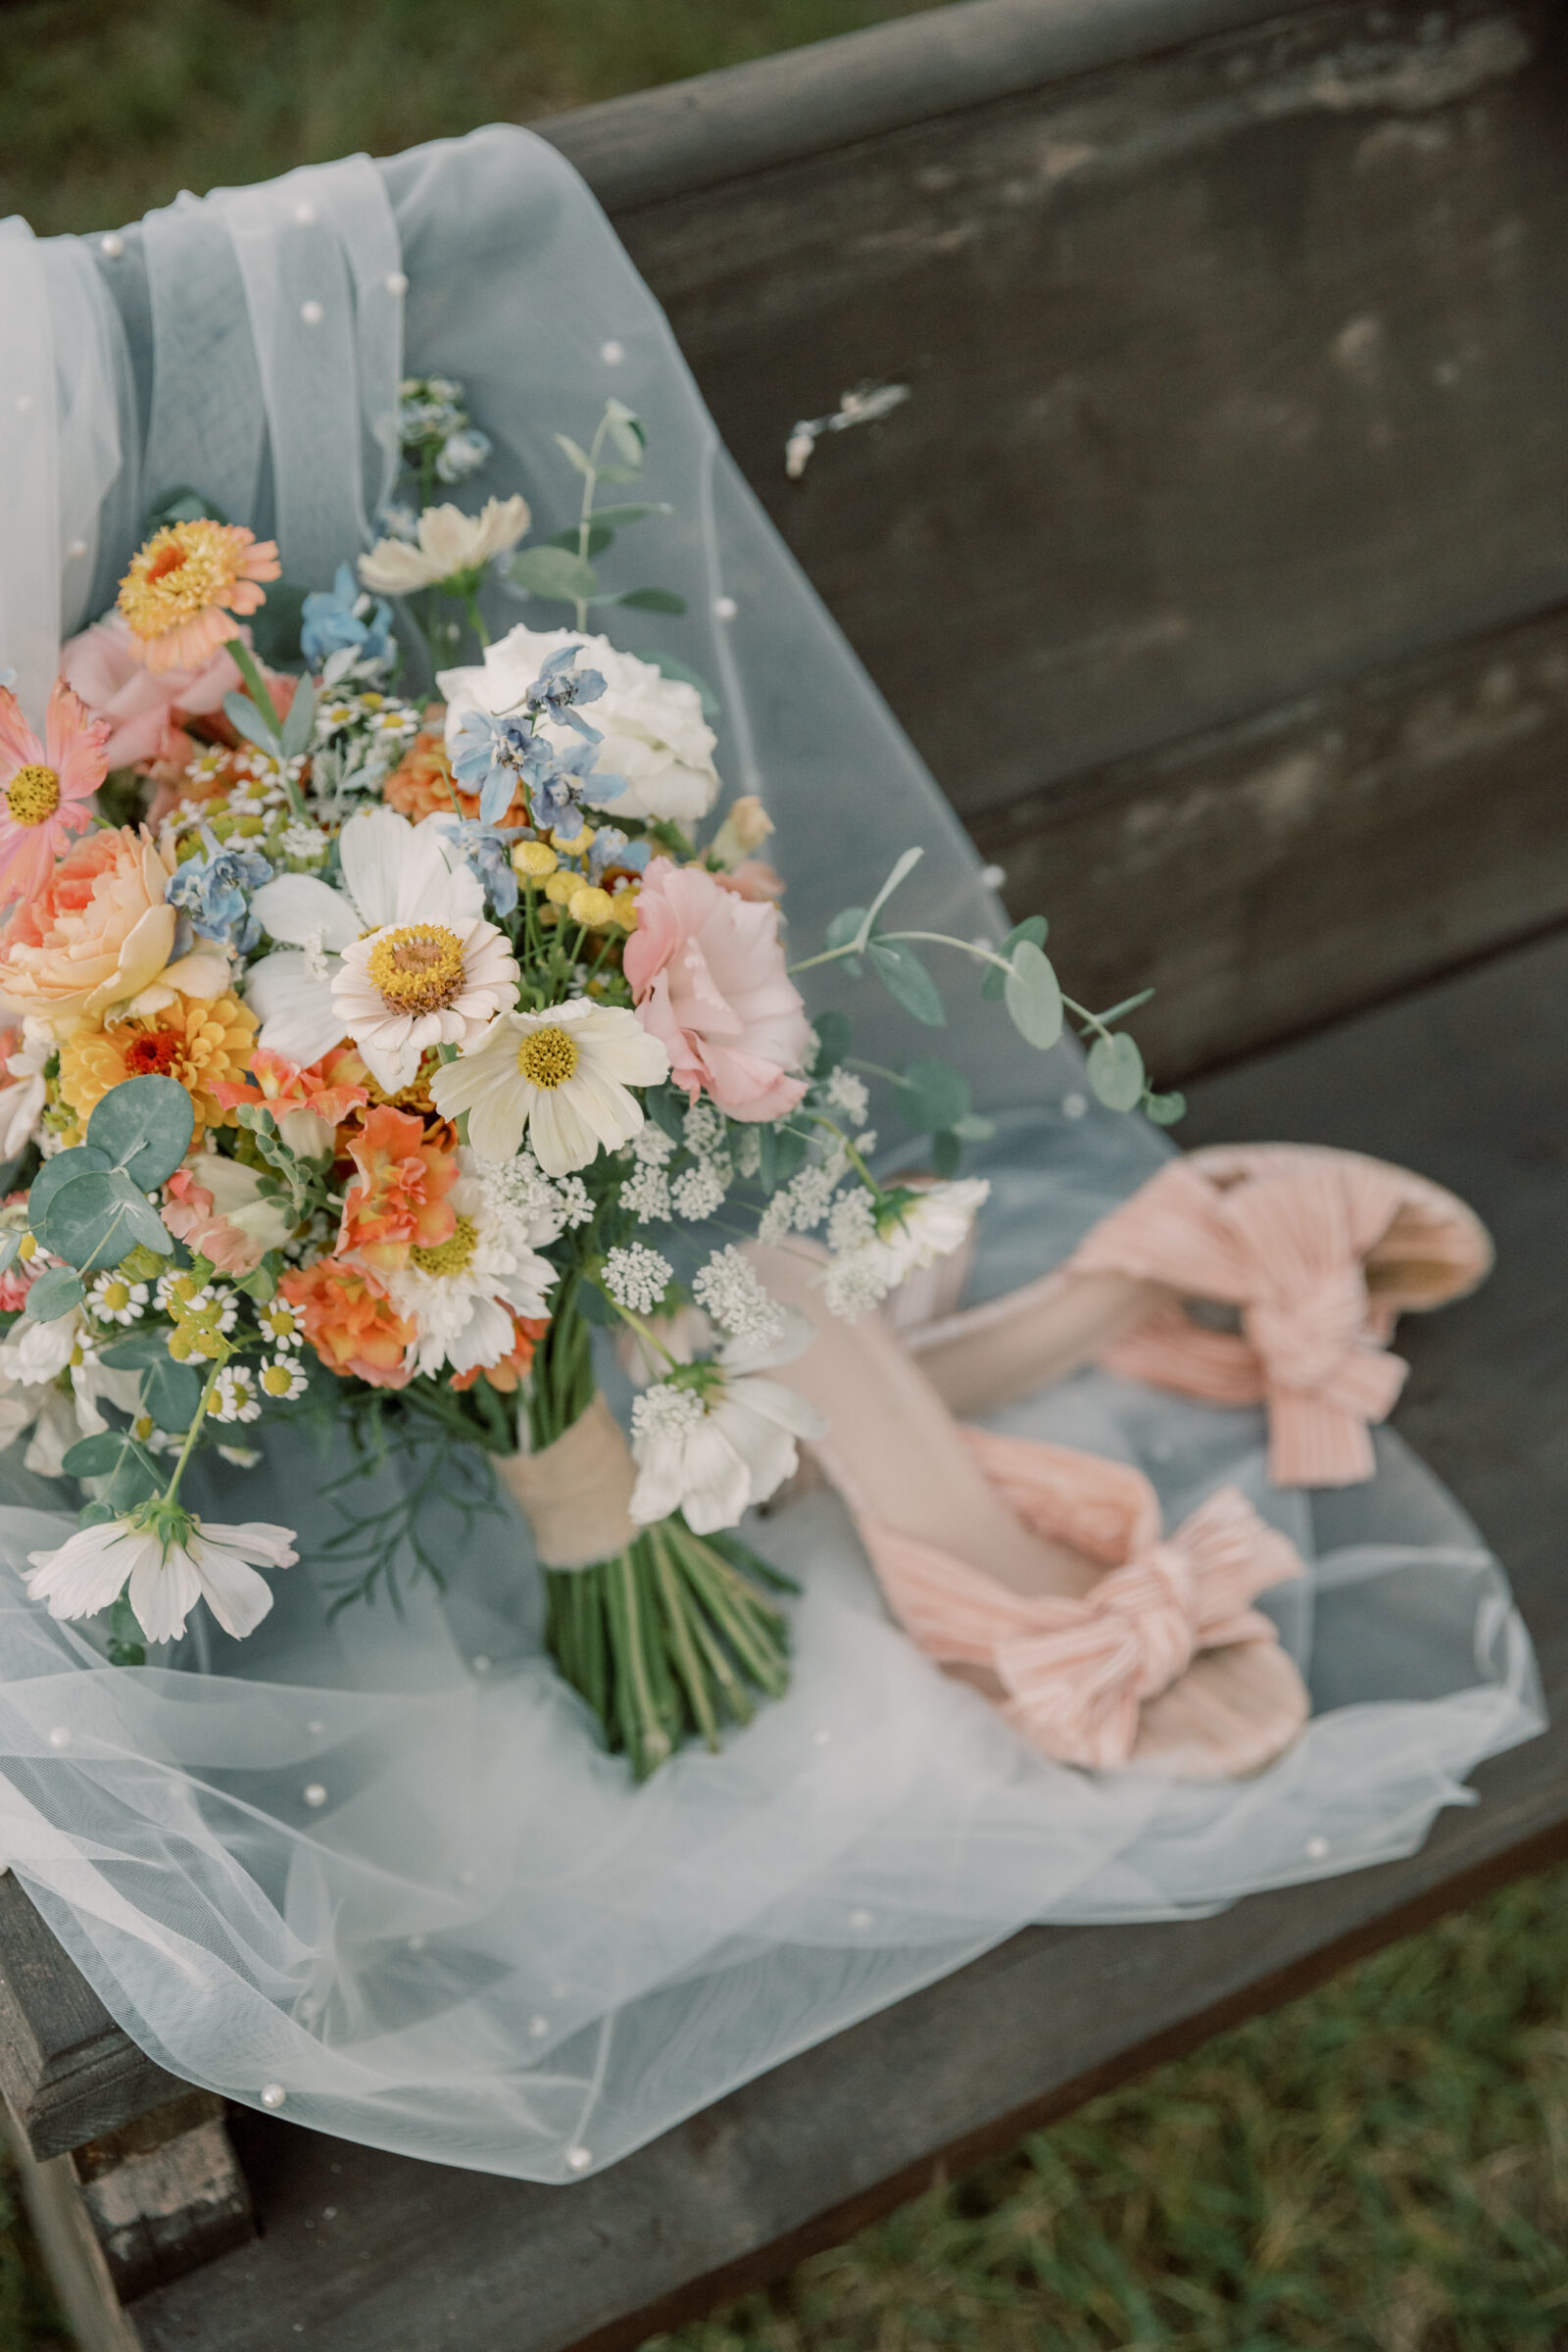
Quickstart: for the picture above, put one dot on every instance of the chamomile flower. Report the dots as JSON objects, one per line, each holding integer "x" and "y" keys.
{"x": 235, "y": 1395}
{"x": 281, "y": 1377}
{"x": 282, "y": 1326}
{"x": 111, "y": 1298}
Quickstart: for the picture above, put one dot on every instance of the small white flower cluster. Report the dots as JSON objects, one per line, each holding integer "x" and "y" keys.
{"x": 637, "y": 1277}
{"x": 848, "y": 1095}
{"x": 645, "y": 1194}
{"x": 661, "y": 1413}
{"x": 730, "y": 1292}
{"x": 302, "y": 844}
{"x": 874, "y": 1255}
{"x": 524, "y": 1201}
{"x": 699, "y": 1191}
{"x": 853, "y": 1221}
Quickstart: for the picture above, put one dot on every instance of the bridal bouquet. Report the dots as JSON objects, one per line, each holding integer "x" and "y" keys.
{"x": 372, "y": 1055}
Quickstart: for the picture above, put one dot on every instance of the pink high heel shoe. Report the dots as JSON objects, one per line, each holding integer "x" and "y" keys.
{"x": 1316, "y": 1252}
{"x": 1040, "y": 1576}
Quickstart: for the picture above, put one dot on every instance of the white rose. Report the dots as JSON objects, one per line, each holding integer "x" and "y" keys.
{"x": 654, "y": 731}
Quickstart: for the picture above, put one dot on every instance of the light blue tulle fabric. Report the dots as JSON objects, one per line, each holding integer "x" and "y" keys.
{"x": 379, "y": 1861}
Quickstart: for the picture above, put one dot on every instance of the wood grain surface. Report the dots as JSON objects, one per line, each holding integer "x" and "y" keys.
{"x": 1465, "y": 1081}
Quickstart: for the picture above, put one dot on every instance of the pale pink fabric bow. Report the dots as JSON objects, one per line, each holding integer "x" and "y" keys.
{"x": 1288, "y": 1247}
{"x": 1077, "y": 1671}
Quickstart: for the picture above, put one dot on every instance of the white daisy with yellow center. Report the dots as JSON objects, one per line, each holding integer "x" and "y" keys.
{"x": 563, "y": 1076}
{"x": 398, "y": 957}
{"x": 461, "y": 1294}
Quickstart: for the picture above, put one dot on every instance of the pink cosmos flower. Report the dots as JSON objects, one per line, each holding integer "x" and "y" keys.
{"x": 45, "y": 787}
{"x": 706, "y": 973}
{"x": 144, "y": 707}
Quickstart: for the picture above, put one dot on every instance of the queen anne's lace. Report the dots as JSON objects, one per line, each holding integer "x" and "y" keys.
{"x": 637, "y": 1277}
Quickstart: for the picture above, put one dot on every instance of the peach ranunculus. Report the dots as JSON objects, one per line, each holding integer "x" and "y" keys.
{"x": 706, "y": 973}
{"x": 100, "y": 934}
{"x": 398, "y": 1205}
{"x": 186, "y": 584}
{"x": 144, "y": 707}
{"x": 216, "y": 1207}
{"x": 307, "y": 1106}
{"x": 201, "y": 1042}
{"x": 351, "y": 1322}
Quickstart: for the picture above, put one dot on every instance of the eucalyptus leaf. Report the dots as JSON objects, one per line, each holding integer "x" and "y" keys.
{"x": 947, "y": 1151}
{"x": 618, "y": 474}
{"x": 1033, "y": 995}
{"x": 580, "y": 457}
{"x": 615, "y": 519}
{"x": 904, "y": 865}
{"x": 8, "y": 1247}
{"x": 907, "y": 981}
{"x": 626, "y": 430}
{"x": 138, "y": 1348}
{"x": 172, "y": 1393}
{"x": 1115, "y": 1071}
{"x": 243, "y": 715}
{"x": 600, "y": 536}
{"x": 1165, "y": 1110}
{"x": 80, "y": 1160}
{"x": 1033, "y": 929}
{"x": 670, "y": 1111}
{"x": 832, "y": 1041}
{"x": 180, "y": 505}
{"x": 95, "y": 1456}
{"x": 933, "y": 1094}
{"x": 96, "y": 1219}
{"x": 301, "y": 717}
{"x": 783, "y": 1156}
{"x": 552, "y": 572}
{"x": 647, "y": 600}
{"x": 145, "y": 1127}
{"x": 846, "y": 925}
{"x": 973, "y": 1129}
{"x": 134, "y": 1481}
{"x": 55, "y": 1292}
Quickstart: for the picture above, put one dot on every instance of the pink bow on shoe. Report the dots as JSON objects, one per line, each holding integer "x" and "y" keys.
{"x": 1288, "y": 1247}
{"x": 1077, "y": 1671}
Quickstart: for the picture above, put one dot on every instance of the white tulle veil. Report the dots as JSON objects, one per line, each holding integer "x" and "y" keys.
{"x": 378, "y": 1861}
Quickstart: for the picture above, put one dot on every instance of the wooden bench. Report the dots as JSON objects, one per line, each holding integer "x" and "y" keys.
{"x": 1236, "y": 460}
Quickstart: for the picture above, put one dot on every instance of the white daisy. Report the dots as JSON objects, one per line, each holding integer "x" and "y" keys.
{"x": 22, "y": 1102}
{"x": 166, "y": 1580}
{"x": 563, "y": 1076}
{"x": 461, "y": 1294}
{"x": 425, "y": 968}
{"x": 715, "y": 1449}
{"x": 114, "y": 1299}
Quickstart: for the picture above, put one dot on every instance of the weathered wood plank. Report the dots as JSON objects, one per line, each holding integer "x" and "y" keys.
{"x": 67, "y": 2069}
{"x": 164, "y": 2193}
{"x": 1237, "y": 370}
{"x": 1286, "y": 870}
{"x": 362, "y": 2250}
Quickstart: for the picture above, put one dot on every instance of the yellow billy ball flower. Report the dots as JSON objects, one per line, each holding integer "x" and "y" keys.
{"x": 577, "y": 845}
{"x": 562, "y": 887}
{"x": 533, "y": 860}
{"x": 624, "y": 904}
{"x": 594, "y": 908}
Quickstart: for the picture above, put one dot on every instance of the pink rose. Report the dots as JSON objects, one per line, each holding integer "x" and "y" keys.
{"x": 706, "y": 973}
{"x": 145, "y": 707}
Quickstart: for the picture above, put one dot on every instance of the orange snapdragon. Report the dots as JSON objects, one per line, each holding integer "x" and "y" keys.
{"x": 351, "y": 1323}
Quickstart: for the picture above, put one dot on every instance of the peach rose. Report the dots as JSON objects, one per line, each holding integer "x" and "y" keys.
{"x": 707, "y": 977}
{"x": 100, "y": 931}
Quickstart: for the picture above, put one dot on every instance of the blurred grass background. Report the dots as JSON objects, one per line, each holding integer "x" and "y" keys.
{"x": 1382, "y": 2167}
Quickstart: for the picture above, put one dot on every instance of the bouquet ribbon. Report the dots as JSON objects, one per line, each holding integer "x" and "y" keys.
{"x": 576, "y": 1491}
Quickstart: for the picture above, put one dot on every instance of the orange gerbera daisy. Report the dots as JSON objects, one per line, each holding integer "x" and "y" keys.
{"x": 203, "y": 1042}
{"x": 351, "y": 1322}
{"x": 185, "y": 587}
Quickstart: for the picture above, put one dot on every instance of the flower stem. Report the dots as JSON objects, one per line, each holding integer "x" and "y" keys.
{"x": 189, "y": 1447}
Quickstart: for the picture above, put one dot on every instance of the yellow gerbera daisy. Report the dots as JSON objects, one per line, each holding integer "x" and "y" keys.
{"x": 203, "y": 1042}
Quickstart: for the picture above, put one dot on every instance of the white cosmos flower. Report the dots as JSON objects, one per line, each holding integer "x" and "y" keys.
{"x": 935, "y": 1223}
{"x": 563, "y": 1076}
{"x": 399, "y": 958}
{"x": 90, "y": 1570}
{"x": 654, "y": 731}
{"x": 22, "y": 1102}
{"x": 715, "y": 1451}
{"x": 450, "y": 542}
{"x": 462, "y": 1295}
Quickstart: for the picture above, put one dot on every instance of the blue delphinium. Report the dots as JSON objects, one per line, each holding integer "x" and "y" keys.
{"x": 215, "y": 891}
{"x": 560, "y": 686}
{"x": 343, "y": 618}
{"x": 492, "y": 756}
{"x": 610, "y": 847}
{"x": 487, "y": 851}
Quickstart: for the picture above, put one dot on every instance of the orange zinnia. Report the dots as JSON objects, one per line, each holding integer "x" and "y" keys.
{"x": 351, "y": 1322}
{"x": 202, "y": 1042}
{"x": 400, "y": 1201}
{"x": 185, "y": 587}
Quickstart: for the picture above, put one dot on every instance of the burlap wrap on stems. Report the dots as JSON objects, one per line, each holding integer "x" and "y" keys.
{"x": 575, "y": 1492}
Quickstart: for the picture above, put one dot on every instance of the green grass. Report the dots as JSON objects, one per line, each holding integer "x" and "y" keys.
{"x": 1381, "y": 2167}
{"x": 105, "y": 111}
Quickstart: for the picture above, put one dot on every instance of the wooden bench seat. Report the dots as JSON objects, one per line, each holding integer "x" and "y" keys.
{"x": 1236, "y": 461}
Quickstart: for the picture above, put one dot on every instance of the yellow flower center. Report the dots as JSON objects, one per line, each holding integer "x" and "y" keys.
{"x": 32, "y": 794}
{"x": 417, "y": 967}
{"x": 116, "y": 1294}
{"x": 547, "y": 1058}
{"x": 453, "y": 1255}
{"x": 183, "y": 569}
{"x": 276, "y": 1379}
